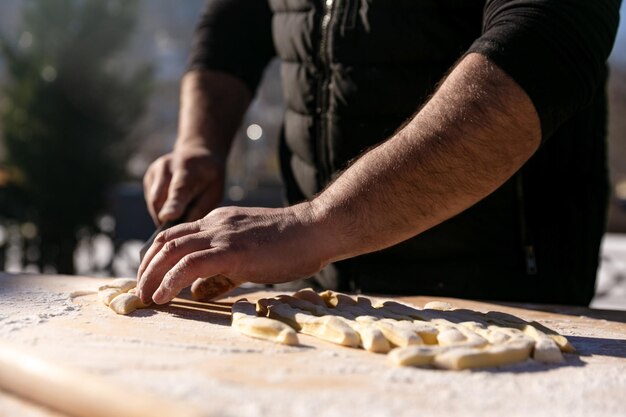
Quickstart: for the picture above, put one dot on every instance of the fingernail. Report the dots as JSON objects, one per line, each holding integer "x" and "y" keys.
{"x": 160, "y": 296}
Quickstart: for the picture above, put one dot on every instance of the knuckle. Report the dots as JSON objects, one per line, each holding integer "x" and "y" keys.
{"x": 170, "y": 247}
{"x": 189, "y": 262}
{"x": 161, "y": 238}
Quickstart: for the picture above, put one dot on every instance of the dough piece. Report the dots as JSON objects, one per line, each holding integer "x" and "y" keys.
{"x": 318, "y": 310}
{"x": 122, "y": 284}
{"x": 547, "y": 351}
{"x": 560, "y": 340}
{"x": 330, "y": 328}
{"x": 398, "y": 309}
{"x": 108, "y": 294}
{"x": 207, "y": 289}
{"x": 308, "y": 294}
{"x": 460, "y": 336}
{"x": 471, "y": 357}
{"x": 398, "y": 335}
{"x": 372, "y": 338}
{"x": 438, "y": 305}
{"x": 416, "y": 355}
{"x": 337, "y": 299}
{"x": 450, "y": 336}
{"x": 245, "y": 321}
{"x": 126, "y": 303}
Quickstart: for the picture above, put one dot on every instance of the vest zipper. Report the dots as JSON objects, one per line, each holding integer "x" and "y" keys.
{"x": 323, "y": 138}
{"x": 527, "y": 246}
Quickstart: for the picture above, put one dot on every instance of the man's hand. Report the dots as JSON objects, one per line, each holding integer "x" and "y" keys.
{"x": 188, "y": 175}
{"x": 258, "y": 245}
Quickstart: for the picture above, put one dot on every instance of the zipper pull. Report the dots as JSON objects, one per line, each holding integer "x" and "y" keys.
{"x": 531, "y": 260}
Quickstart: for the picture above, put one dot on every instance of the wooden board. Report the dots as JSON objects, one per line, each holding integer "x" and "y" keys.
{"x": 186, "y": 352}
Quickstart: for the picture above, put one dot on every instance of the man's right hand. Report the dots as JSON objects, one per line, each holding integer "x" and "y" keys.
{"x": 187, "y": 175}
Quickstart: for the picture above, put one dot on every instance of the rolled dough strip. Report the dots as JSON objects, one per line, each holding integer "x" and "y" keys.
{"x": 126, "y": 303}
{"x": 470, "y": 357}
{"x": 207, "y": 289}
{"x": 245, "y": 321}
{"x": 122, "y": 284}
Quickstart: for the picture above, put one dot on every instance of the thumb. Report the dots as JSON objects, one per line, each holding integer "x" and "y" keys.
{"x": 179, "y": 194}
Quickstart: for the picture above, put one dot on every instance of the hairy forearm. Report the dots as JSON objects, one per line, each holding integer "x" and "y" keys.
{"x": 478, "y": 129}
{"x": 212, "y": 105}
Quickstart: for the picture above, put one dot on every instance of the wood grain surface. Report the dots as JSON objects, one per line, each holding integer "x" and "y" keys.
{"x": 186, "y": 352}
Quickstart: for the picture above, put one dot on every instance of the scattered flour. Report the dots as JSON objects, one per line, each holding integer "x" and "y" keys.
{"x": 46, "y": 305}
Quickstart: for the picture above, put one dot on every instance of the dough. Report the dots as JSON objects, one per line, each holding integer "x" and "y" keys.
{"x": 126, "y": 303}
{"x": 108, "y": 294}
{"x": 207, "y": 289}
{"x": 245, "y": 321}
{"x": 439, "y": 335}
{"x": 122, "y": 284}
{"x": 119, "y": 295}
{"x": 330, "y": 328}
{"x": 496, "y": 355}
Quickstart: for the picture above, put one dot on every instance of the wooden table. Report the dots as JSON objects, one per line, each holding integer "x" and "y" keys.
{"x": 186, "y": 352}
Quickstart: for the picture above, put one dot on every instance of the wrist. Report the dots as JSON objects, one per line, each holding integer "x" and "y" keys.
{"x": 325, "y": 234}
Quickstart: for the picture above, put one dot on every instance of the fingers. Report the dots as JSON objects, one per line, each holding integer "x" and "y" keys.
{"x": 204, "y": 263}
{"x": 179, "y": 194}
{"x": 169, "y": 255}
{"x": 160, "y": 241}
{"x": 156, "y": 182}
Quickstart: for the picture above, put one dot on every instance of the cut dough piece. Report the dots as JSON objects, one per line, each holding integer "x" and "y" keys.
{"x": 246, "y": 322}
{"x": 318, "y": 310}
{"x": 108, "y": 294}
{"x": 207, "y": 289}
{"x": 126, "y": 303}
{"x": 471, "y": 357}
{"x": 308, "y": 294}
{"x": 337, "y": 299}
{"x": 547, "y": 351}
{"x": 122, "y": 284}
{"x": 450, "y": 336}
{"x": 561, "y": 341}
{"x": 399, "y": 309}
{"x": 420, "y": 355}
{"x": 330, "y": 328}
{"x": 460, "y": 336}
{"x": 372, "y": 338}
{"x": 438, "y": 305}
{"x": 398, "y": 335}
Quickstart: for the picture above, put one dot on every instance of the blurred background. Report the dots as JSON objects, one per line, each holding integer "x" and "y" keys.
{"x": 89, "y": 97}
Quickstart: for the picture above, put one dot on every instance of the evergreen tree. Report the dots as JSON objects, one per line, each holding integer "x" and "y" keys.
{"x": 70, "y": 114}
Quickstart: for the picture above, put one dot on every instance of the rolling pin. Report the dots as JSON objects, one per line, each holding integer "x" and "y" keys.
{"x": 75, "y": 392}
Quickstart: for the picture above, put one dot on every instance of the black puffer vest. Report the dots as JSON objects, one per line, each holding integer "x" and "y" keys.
{"x": 354, "y": 71}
